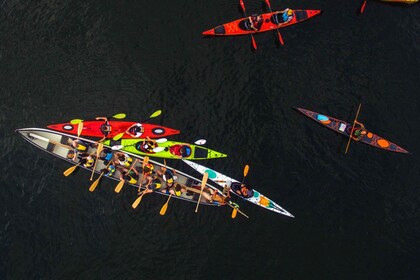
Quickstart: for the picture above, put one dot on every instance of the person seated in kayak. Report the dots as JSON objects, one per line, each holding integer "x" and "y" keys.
{"x": 181, "y": 151}
{"x": 153, "y": 184}
{"x": 109, "y": 170}
{"x": 106, "y": 155}
{"x": 80, "y": 145}
{"x": 242, "y": 190}
{"x": 135, "y": 131}
{"x": 359, "y": 132}
{"x": 255, "y": 22}
{"x": 146, "y": 146}
{"x": 284, "y": 16}
{"x": 105, "y": 128}
{"x": 131, "y": 175}
{"x": 85, "y": 159}
{"x": 123, "y": 159}
{"x": 219, "y": 198}
{"x": 168, "y": 177}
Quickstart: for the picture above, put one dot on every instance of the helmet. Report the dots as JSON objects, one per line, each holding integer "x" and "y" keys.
{"x": 289, "y": 12}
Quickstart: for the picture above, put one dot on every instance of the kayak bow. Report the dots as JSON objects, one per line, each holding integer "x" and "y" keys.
{"x": 222, "y": 180}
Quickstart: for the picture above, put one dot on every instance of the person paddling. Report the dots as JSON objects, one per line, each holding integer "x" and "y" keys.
{"x": 255, "y": 22}
{"x": 242, "y": 189}
{"x": 105, "y": 128}
{"x": 135, "y": 131}
{"x": 287, "y": 15}
{"x": 359, "y": 131}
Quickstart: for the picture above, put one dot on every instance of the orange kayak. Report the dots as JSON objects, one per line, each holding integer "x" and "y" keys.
{"x": 270, "y": 21}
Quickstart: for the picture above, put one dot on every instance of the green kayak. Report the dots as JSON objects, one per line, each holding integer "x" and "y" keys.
{"x": 166, "y": 149}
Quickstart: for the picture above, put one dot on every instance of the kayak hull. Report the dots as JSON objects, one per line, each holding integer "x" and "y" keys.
{"x": 222, "y": 180}
{"x": 93, "y": 129}
{"x": 58, "y": 145}
{"x": 167, "y": 149}
{"x": 345, "y": 128}
{"x": 269, "y": 22}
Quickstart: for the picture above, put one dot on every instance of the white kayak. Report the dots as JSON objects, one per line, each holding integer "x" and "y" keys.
{"x": 223, "y": 180}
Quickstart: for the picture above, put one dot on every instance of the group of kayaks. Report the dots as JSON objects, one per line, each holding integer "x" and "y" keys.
{"x": 120, "y": 150}
{"x": 274, "y": 20}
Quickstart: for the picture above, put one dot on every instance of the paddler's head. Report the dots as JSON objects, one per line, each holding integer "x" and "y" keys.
{"x": 289, "y": 12}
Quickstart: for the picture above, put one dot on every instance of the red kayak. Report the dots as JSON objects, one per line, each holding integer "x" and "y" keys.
{"x": 93, "y": 129}
{"x": 270, "y": 21}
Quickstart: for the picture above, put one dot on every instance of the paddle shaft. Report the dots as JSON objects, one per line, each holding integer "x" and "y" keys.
{"x": 254, "y": 44}
{"x": 278, "y": 32}
{"x": 352, "y": 128}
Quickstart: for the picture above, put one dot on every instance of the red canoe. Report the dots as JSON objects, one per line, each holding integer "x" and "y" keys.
{"x": 269, "y": 22}
{"x": 93, "y": 129}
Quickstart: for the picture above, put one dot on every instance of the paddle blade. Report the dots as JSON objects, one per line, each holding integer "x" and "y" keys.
{"x": 94, "y": 185}
{"x": 99, "y": 149}
{"x": 234, "y": 212}
{"x": 161, "y": 140}
{"x": 76, "y": 121}
{"x": 362, "y": 9}
{"x": 165, "y": 206}
{"x": 246, "y": 169}
{"x": 118, "y": 136}
{"x": 280, "y": 37}
{"x": 145, "y": 161}
{"x": 117, "y": 147}
{"x": 158, "y": 149}
{"x": 254, "y": 44}
{"x": 119, "y": 116}
{"x": 70, "y": 170}
{"x": 137, "y": 201}
{"x": 204, "y": 181}
{"x": 119, "y": 186}
{"x": 268, "y": 4}
{"x": 200, "y": 142}
{"x": 242, "y": 5}
{"x": 79, "y": 129}
{"x": 156, "y": 114}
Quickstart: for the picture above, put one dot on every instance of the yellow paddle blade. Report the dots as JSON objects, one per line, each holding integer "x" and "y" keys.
{"x": 119, "y": 116}
{"x": 119, "y": 186}
{"x": 145, "y": 161}
{"x": 94, "y": 185}
{"x": 137, "y": 201}
{"x": 70, "y": 170}
{"x": 79, "y": 129}
{"x": 165, "y": 206}
{"x": 76, "y": 121}
{"x": 155, "y": 114}
{"x": 118, "y": 136}
{"x": 246, "y": 169}
{"x": 234, "y": 212}
{"x": 203, "y": 185}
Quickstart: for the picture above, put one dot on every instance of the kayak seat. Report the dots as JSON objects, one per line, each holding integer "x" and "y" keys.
{"x": 277, "y": 18}
{"x": 301, "y": 15}
{"x": 64, "y": 140}
{"x": 219, "y": 30}
{"x": 244, "y": 25}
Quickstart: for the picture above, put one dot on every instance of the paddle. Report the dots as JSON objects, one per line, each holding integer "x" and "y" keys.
{"x": 154, "y": 115}
{"x": 138, "y": 200}
{"x": 95, "y": 184}
{"x": 362, "y": 9}
{"x": 246, "y": 169}
{"x": 236, "y": 209}
{"x": 352, "y": 129}
{"x": 70, "y": 170}
{"x": 98, "y": 152}
{"x": 145, "y": 161}
{"x": 254, "y": 44}
{"x": 278, "y": 32}
{"x": 79, "y": 130}
{"x": 203, "y": 184}
{"x": 121, "y": 183}
{"x": 116, "y": 116}
{"x": 165, "y": 206}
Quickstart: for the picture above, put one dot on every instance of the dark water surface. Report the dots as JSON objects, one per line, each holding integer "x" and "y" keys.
{"x": 357, "y": 215}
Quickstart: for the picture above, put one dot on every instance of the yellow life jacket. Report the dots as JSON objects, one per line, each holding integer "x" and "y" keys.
{"x": 89, "y": 162}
